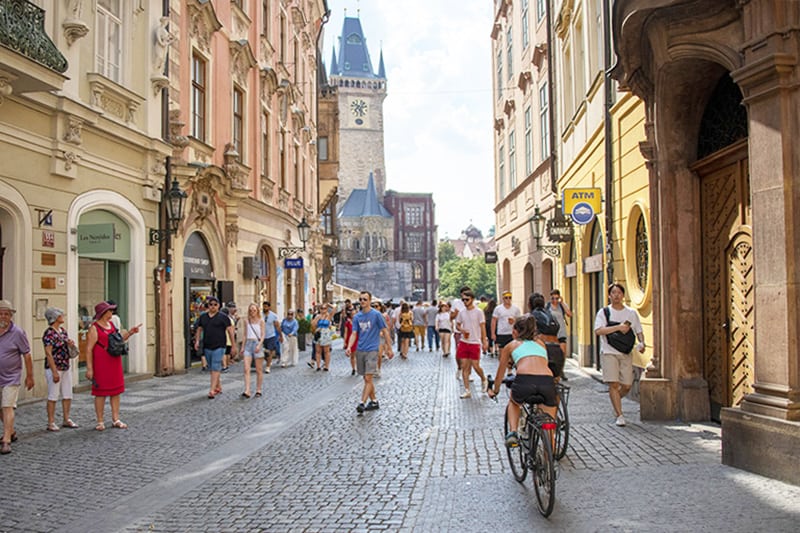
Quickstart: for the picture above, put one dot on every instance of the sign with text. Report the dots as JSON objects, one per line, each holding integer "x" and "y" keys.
{"x": 96, "y": 239}
{"x": 582, "y": 204}
{"x": 490, "y": 257}
{"x": 293, "y": 262}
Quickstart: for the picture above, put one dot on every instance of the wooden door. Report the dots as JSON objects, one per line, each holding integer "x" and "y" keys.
{"x": 728, "y": 302}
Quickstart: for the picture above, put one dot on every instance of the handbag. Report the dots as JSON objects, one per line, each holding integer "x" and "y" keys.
{"x": 73, "y": 351}
{"x": 622, "y": 342}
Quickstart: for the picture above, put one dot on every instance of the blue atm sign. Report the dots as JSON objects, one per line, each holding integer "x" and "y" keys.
{"x": 293, "y": 262}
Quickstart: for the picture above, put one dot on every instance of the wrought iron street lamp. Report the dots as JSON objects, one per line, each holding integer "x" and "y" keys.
{"x": 302, "y": 229}
{"x": 174, "y": 200}
{"x": 537, "y": 228}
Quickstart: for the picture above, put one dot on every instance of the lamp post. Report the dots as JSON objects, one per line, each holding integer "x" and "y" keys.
{"x": 537, "y": 228}
{"x": 302, "y": 229}
{"x": 174, "y": 200}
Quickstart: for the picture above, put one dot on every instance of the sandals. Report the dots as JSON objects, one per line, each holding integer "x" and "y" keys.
{"x": 100, "y": 427}
{"x": 14, "y": 437}
{"x": 119, "y": 424}
{"x": 68, "y": 423}
{"x": 258, "y": 395}
{"x": 246, "y": 395}
{"x": 52, "y": 427}
{"x": 5, "y": 448}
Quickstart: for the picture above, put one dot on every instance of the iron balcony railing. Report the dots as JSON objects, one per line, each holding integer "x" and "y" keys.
{"x": 22, "y": 30}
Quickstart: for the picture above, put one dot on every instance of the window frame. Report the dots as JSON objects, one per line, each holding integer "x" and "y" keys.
{"x": 198, "y": 97}
{"x": 104, "y": 19}
{"x": 544, "y": 123}
{"x": 528, "y": 142}
{"x": 237, "y": 108}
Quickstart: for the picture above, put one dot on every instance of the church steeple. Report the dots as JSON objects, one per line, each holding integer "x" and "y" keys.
{"x": 354, "y": 60}
{"x": 334, "y": 70}
{"x": 381, "y": 68}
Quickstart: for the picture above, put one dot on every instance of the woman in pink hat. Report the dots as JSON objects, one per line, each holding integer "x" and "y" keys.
{"x": 103, "y": 369}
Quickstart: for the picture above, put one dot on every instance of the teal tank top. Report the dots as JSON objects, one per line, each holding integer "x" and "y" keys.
{"x": 528, "y": 349}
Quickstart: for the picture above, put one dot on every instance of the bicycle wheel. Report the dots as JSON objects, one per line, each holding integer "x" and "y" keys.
{"x": 543, "y": 475}
{"x": 562, "y": 425}
{"x": 516, "y": 456}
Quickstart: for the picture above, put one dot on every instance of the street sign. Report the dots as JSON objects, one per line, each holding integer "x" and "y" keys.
{"x": 582, "y": 204}
{"x": 293, "y": 262}
{"x": 490, "y": 257}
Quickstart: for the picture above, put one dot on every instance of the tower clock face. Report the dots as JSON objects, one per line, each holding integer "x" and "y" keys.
{"x": 358, "y": 108}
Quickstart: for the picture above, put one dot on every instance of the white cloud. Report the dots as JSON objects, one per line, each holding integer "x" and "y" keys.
{"x": 438, "y": 110}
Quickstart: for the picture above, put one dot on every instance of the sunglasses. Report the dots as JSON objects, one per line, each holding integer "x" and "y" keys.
{"x": 506, "y": 297}
{"x": 466, "y": 299}
{"x": 363, "y": 299}
{"x": 213, "y": 303}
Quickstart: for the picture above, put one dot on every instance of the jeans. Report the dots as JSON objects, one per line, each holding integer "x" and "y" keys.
{"x": 432, "y": 334}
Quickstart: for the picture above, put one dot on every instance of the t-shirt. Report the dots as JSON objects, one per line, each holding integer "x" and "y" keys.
{"x": 13, "y": 345}
{"x": 443, "y": 320}
{"x": 58, "y": 340}
{"x": 430, "y": 316}
{"x": 617, "y": 315}
{"x": 215, "y": 329}
{"x": 558, "y": 314}
{"x": 457, "y": 305}
{"x": 502, "y": 315}
{"x": 419, "y": 315}
{"x": 269, "y": 325}
{"x": 396, "y": 317}
{"x": 368, "y": 327}
{"x": 471, "y": 320}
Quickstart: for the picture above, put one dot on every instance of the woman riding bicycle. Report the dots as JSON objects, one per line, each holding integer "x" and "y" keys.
{"x": 534, "y": 376}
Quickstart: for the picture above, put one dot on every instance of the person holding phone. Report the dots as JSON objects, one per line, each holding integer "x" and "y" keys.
{"x": 617, "y": 366}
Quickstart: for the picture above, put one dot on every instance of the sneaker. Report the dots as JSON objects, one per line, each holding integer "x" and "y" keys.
{"x": 371, "y": 406}
{"x": 485, "y": 385}
{"x": 353, "y": 372}
{"x": 360, "y": 408}
{"x": 467, "y": 394}
{"x": 458, "y": 374}
{"x": 620, "y": 420}
{"x": 224, "y": 369}
{"x": 512, "y": 439}
{"x": 377, "y": 373}
{"x": 205, "y": 369}
{"x": 267, "y": 370}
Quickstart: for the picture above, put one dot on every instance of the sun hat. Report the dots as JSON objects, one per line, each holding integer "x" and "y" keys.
{"x": 52, "y": 314}
{"x": 6, "y": 304}
{"x": 101, "y": 308}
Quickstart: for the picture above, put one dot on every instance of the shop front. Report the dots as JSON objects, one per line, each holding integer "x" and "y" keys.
{"x": 198, "y": 284}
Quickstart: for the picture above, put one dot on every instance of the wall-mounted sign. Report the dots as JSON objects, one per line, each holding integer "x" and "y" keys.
{"x": 48, "y": 239}
{"x": 582, "y": 204}
{"x": 571, "y": 270}
{"x": 593, "y": 263}
{"x": 293, "y": 262}
{"x": 96, "y": 238}
{"x": 490, "y": 257}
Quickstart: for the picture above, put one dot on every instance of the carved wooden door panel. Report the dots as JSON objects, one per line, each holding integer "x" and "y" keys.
{"x": 727, "y": 277}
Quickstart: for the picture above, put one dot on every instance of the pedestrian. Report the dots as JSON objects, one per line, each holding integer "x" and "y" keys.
{"x": 491, "y": 333}
{"x": 215, "y": 327}
{"x": 348, "y": 330}
{"x": 14, "y": 349}
{"x": 612, "y": 322}
{"x": 233, "y": 312}
{"x": 368, "y": 326}
{"x": 534, "y": 376}
{"x": 228, "y": 341}
{"x": 444, "y": 325}
{"x": 420, "y": 325}
{"x": 314, "y": 338}
{"x": 396, "y": 310}
{"x": 103, "y": 369}
{"x": 560, "y": 311}
{"x": 323, "y": 323}
{"x": 471, "y": 323}
{"x": 406, "y": 321}
{"x": 289, "y": 328}
{"x": 197, "y": 343}
{"x": 382, "y": 345}
{"x": 252, "y": 348}
{"x": 57, "y": 349}
{"x": 433, "y": 333}
{"x": 456, "y": 306}
{"x": 503, "y": 318}
{"x": 272, "y": 334}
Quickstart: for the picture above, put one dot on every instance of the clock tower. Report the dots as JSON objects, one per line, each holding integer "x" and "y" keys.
{"x": 361, "y": 93}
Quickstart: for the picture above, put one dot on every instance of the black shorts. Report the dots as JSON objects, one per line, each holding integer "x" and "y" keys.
{"x": 407, "y": 334}
{"x": 555, "y": 359}
{"x": 502, "y": 340}
{"x": 443, "y": 330}
{"x": 528, "y": 387}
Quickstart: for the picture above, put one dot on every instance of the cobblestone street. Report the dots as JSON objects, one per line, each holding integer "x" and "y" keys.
{"x": 300, "y": 459}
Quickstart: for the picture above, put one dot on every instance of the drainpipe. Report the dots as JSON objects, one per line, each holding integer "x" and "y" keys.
{"x": 551, "y": 76}
{"x": 326, "y": 16}
{"x": 608, "y": 141}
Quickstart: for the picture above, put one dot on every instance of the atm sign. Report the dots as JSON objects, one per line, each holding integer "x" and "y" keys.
{"x": 589, "y": 195}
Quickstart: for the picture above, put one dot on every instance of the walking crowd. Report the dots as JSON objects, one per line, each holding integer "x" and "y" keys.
{"x": 535, "y": 343}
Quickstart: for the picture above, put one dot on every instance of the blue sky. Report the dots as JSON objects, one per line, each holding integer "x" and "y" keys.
{"x": 438, "y": 112}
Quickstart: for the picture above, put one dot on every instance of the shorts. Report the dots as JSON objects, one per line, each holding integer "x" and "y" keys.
{"x": 470, "y": 351}
{"x": 8, "y": 395}
{"x": 214, "y": 358}
{"x": 250, "y": 349}
{"x": 228, "y": 350}
{"x": 617, "y": 368}
{"x": 537, "y": 387}
{"x": 419, "y": 331}
{"x": 366, "y": 362}
{"x": 271, "y": 344}
{"x": 64, "y": 385}
{"x": 502, "y": 340}
{"x": 444, "y": 330}
{"x": 406, "y": 334}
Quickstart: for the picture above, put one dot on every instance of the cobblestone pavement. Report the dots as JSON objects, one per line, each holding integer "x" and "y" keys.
{"x": 300, "y": 459}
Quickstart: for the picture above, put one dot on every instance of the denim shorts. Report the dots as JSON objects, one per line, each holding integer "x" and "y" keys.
{"x": 250, "y": 349}
{"x": 214, "y": 358}
{"x": 271, "y": 344}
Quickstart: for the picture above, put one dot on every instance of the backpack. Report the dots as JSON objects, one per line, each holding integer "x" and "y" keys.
{"x": 545, "y": 322}
{"x": 117, "y": 347}
{"x": 406, "y": 322}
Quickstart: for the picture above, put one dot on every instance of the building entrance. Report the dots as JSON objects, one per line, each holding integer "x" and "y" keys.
{"x": 198, "y": 284}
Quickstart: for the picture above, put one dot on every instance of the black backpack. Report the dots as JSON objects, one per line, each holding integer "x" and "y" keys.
{"x": 546, "y": 323}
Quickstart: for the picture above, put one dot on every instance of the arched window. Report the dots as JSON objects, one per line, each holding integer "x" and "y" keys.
{"x": 417, "y": 271}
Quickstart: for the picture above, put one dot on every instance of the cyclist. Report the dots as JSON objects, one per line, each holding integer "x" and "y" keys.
{"x": 534, "y": 376}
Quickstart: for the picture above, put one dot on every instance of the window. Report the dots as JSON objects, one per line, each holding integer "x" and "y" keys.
{"x": 238, "y": 121}
{"x": 539, "y": 10}
{"x": 417, "y": 271}
{"x": 265, "y": 145}
{"x": 322, "y": 148}
{"x": 413, "y": 215}
{"x": 109, "y": 39}
{"x": 414, "y": 243}
{"x": 525, "y": 36}
{"x": 512, "y": 162}
{"x": 544, "y": 122}
{"x": 282, "y": 156}
{"x": 510, "y": 53}
{"x": 198, "y": 98}
{"x": 282, "y": 44}
{"x": 499, "y": 72}
{"x": 266, "y": 18}
{"x": 642, "y": 252}
{"x": 297, "y": 176}
{"x": 579, "y": 76}
{"x": 326, "y": 220}
{"x": 528, "y": 143}
{"x": 501, "y": 173}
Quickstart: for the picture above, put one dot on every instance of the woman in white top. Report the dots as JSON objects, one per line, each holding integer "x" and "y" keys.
{"x": 252, "y": 341}
{"x": 444, "y": 325}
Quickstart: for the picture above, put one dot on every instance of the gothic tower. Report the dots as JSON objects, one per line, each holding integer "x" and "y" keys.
{"x": 361, "y": 94}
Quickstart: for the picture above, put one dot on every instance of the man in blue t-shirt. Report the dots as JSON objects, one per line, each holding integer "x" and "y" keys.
{"x": 368, "y": 326}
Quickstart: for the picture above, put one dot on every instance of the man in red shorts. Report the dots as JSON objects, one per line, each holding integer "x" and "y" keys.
{"x": 471, "y": 324}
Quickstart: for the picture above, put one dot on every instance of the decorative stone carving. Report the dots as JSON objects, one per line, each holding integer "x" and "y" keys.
{"x": 162, "y": 40}
{"x": 72, "y": 134}
{"x": 74, "y": 30}
{"x": 203, "y": 204}
{"x": 232, "y": 234}
{"x": 203, "y": 22}
{"x": 269, "y": 82}
{"x": 176, "y": 125}
{"x": 70, "y": 158}
{"x": 242, "y": 60}
{"x": 267, "y": 190}
{"x": 234, "y": 169}
{"x": 5, "y": 85}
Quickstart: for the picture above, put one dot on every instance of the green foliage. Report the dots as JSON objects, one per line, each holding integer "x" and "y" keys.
{"x": 303, "y": 326}
{"x": 475, "y": 273}
{"x": 447, "y": 253}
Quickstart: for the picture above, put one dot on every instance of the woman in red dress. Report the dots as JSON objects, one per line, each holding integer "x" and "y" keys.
{"x": 103, "y": 369}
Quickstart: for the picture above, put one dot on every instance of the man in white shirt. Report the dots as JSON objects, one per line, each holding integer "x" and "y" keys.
{"x": 503, "y": 319}
{"x": 617, "y": 366}
{"x": 456, "y": 306}
{"x": 472, "y": 324}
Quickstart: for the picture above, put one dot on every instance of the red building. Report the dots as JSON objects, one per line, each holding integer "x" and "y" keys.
{"x": 415, "y": 239}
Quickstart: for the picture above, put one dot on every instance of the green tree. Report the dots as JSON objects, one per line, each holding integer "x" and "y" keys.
{"x": 447, "y": 253}
{"x": 475, "y": 273}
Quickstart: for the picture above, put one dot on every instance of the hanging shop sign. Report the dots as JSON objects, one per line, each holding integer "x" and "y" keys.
{"x": 582, "y": 204}
{"x": 293, "y": 262}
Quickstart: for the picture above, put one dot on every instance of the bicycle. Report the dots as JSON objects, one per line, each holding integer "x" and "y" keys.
{"x": 562, "y": 422}
{"x": 534, "y": 451}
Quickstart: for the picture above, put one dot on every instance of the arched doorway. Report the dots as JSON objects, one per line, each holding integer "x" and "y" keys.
{"x": 527, "y": 284}
{"x": 505, "y": 282}
{"x": 727, "y": 248}
{"x": 265, "y": 284}
{"x": 547, "y": 277}
{"x": 593, "y": 267}
{"x": 570, "y": 274}
{"x": 198, "y": 284}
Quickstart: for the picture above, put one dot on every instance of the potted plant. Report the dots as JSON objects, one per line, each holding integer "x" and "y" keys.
{"x": 303, "y": 329}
